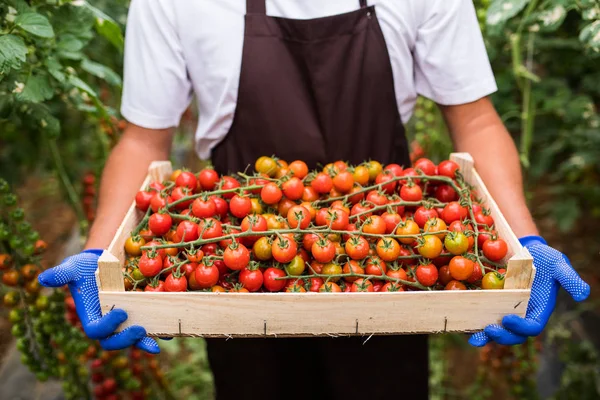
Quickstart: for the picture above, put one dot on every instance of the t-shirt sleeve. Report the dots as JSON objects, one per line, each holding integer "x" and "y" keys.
{"x": 156, "y": 87}
{"x": 451, "y": 63}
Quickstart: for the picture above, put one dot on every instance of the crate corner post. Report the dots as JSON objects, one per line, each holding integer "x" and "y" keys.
{"x": 519, "y": 271}
{"x": 110, "y": 274}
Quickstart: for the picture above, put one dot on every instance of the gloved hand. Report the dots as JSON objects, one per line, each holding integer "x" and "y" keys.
{"x": 553, "y": 269}
{"x": 78, "y": 272}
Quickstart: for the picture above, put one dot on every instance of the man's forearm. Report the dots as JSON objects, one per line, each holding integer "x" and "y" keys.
{"x": 123, "y": 174}
{"x": 484, "y": 136}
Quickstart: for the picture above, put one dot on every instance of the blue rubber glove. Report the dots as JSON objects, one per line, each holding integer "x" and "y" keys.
{"x": 78, "y": 272}
{"x": 553, "y": 269}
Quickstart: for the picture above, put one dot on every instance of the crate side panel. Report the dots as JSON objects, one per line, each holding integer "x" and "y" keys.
{"x": 308, "y": 314}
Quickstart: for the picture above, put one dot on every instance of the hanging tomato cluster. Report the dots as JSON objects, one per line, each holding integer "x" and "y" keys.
{"x": 89, "y": 196}
{"x": 47, "y": 329}
{"x": 342, "y": 228}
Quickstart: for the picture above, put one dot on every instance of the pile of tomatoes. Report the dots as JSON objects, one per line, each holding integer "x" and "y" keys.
{"x": 365, "y": 228}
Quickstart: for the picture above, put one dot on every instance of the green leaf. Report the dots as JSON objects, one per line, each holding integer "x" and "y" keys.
{"x": 35, "y": 24}
{"x": 69, "y": 43}
{"x": 501, "y": 11}
{"x": 590, "y": 35}
{"x": 43, "y": 119}
{"x": 107, "y": 27}
{"x": 551, "y": 19}
{"x": 37, "y": 89}
{"x": 101, "y": 71}
{"x": 81, "y": 85}
{"x": 55, "y": 69}
{"x": 12, "y": 53}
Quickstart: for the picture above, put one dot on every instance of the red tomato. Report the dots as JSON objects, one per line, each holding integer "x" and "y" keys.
{"x": 221, "y": 206}
{"x": 322, "y": 183}
{"x": 426, "y": 166}
{"x": 453, "y": 211}
{"x": 180, "y": 193}
{"x": 377, "y": 198}
{"x": 483, "y": 219}
{"x": 495, "y": 250}
{"x": 210, "y": 228}
{"x": 397, "y": 273}
{"x": 188, "y": 231}
{"x": 337, "y": 219}
{"x": 228, "y": 183}
{"x": 411, "y": 172}
{"x": 360, "y": 208}
{"x": 423, "y": 214}
{"x": 299, "y": 169}
{"x": 484, "y": 235}
{"x": 343, "y": 181}
{"x": 315, "y": 284}
{"x": 271, "y": 194}
{"x": 323, "y": 250}
{"x": 255, "y": 223}
{"x": 284, "y": 250}
{"x": 251, "y": 279}
{"x": 293, "y": 188}
{"x": 384, "y": 178}
{"x": 298, "y": 217}
{"x": 308, "y": 240}
{"x": 236, "y": 257}
{"x": 150, "y": 266}
{"x": 176, "y": 284}
{"x": 391, "y": 221}
{"x": 309, "y": 194}
{"x": 445, "y": 193}
{"x": 240, "y": 206}
{"x": 392, "y": 287}
{"x": 448, "y": 168}
{"x": 394, "y": 169}
{"x": 188, "y": 180}
{"x": 142, "y": 199}
{"x": 204, "y": 208}
{"x": 160, "y": 224}
{"x": 374, "y": 225}
{"x": 356, "y": 196}
{"x": 206, "y": 275}
{"x": 357, "y": 248}
{"x": 411, "y": 192}
{"x": 271, "y": 281}
{"x": 461, "y": 268}
{"x": 158, "y": 201}
{"x": 427, "y": 274}
{"x": 160, "y": 287}
{"x": 476, "y": 275}
{"x": 362, "y": 285}
{"x": 208, "y": 179}
{"x": 375, "y": 266}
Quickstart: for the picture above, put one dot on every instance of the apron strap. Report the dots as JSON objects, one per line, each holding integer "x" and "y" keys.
{"x": 363, "y": 3}
{"x": 258, "y": 7}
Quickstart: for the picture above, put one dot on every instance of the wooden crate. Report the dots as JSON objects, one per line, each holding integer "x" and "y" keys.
{"x": 316, "y": 314}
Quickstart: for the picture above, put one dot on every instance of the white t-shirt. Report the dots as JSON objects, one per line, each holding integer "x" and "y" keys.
{"x": 177, "y": 48}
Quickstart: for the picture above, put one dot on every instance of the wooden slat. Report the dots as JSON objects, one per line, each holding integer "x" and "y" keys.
{"x": 318, "y": 314}
{"x": 110, "y": 273}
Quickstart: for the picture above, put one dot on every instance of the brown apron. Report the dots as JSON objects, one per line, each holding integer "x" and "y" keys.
{"x": 317, "y": 90}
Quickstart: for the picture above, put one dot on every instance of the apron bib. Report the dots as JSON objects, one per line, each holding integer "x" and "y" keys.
{"x": 317, "y": 90}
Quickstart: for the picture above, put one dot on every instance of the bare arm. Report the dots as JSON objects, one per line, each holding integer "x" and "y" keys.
{"x": 123, "y": 174}
{"x": 477, "y": 129}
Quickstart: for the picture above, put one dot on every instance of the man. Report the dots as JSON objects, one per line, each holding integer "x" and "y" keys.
{"x": 318, "y": 81}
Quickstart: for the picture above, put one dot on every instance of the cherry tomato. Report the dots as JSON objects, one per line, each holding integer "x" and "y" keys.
{"x": 461, "y": 268}
{"x": 266, "y": 165}
{"x": 206, "y": 275}
{"x": 392, "y": 220}
{"x": 271, "y": 194}
{"x": 204, "y": 208}
{"x": 445, "y": 193}
{"x": 436, "y": 226}
{"x": 408, "y": 227}
{"x": 448, "y": 168}
{"x": 298, "y": 217}
{"x": 391, "y": 287}
{"x": 240, "y": 206}
{"x": 229, "y": 183}
{"x": 492, "y": 281}
{"x": 142, "y": 199}
{"x": 309, "y": 194}
{"x": 483, "y": 219}
{"x": 271, "y": 281}
{"x": 455, "y": 285}
{"x": 187, "y": 179}
{"x": 284, "y": 206}
{"x": 160, "y": 224}
{"x": 495, "y": 250}
{"x": 426, "y": 166}
{"x": 374, "y": 225}
{"x": 386, "y": 179}
{"x": 332, "y": 268}
{"x": 352, "y": 267}
{"x": 377, "y": 198}
{"x": 330, "y": 287}
{"x": 284, "y": 249}
{"x": 236, "y": 256}
{"x": 362, "y": 285}
{"x": 456, "y": 243}
{"x": 361, "y": 175}
{"x": 431, "y": 246}
{"x": 296, "y": 266}
{"x": 176, "y": 284}
{"x": 411, "y": 192}
{"x": 357, "y": 247}
{"x": 251, "y": 279}
{"x": 485, "y": 235}
{"x": 150, "y": 266}
{"x": 375, "y": 168}
{"x": 422, "y": 215}
{"x": 394, "y": 169}
{"x": 453, "y": 211}
{"x": 323, "y": 250}
{"x": 343, "y": 181}
{"x": 322, "y": 183}
{"x": 188, "y": 231}
{"x": 11, "y": 277}
{"x": 132, "y": 246}
{"x": 337, "y": 219}
{"x": 208, "y": 179}
{"x": 375, "y": 266}
{"x": 388, "y": 249}
{"x": 262, "y": 249}
{"x": 427, "y": 274}
{"x": 299, "y": 169}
